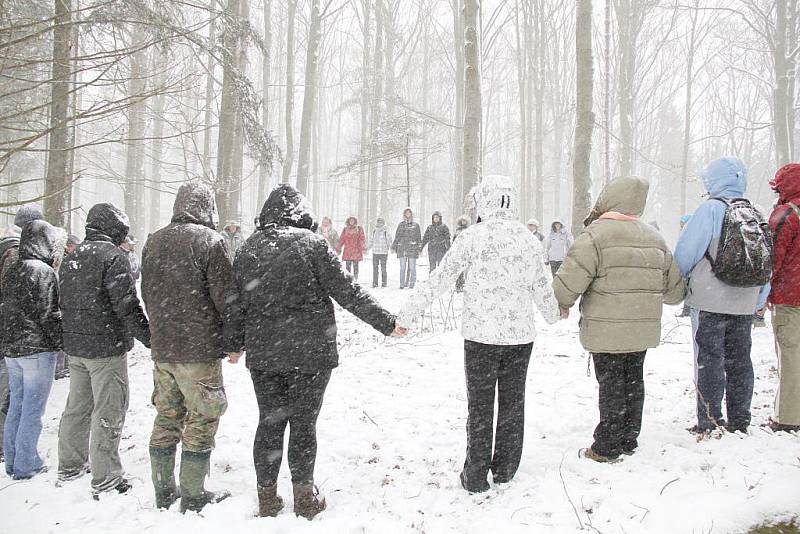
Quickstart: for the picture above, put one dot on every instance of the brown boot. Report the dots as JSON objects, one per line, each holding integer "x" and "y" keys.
{"x": 307, "y": 502}
{"x": 269, "y": 502}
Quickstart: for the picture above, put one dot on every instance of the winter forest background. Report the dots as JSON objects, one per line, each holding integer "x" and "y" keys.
{"x": 371, "y": 105}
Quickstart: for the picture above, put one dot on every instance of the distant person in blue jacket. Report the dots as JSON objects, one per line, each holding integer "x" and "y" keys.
{"x": 722, "y": 314}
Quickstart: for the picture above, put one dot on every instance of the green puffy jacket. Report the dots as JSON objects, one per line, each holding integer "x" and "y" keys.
{"x": 624, "y": 272}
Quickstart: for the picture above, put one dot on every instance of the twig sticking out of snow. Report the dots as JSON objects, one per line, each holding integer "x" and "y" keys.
{"x": 564, "y": 485}
{"x": 667, "y": 484}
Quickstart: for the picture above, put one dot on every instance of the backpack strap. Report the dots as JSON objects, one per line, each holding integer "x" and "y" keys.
{"x": 728, "y": 202}
{"x": 792, "y": 208}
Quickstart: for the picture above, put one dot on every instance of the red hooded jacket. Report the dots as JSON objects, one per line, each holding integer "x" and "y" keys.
{"x": 353, "y": 241}
{"x": 786, "y": 274}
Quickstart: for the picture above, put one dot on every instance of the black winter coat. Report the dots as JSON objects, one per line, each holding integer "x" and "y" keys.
{"x": 30, "y": 320}
{"x": 99, "y": 306}
{"x": 407, "y": 240}
{"x": 279, "y": 306}
{"x": 437, "y": 236}
{"x": 185, "y": 270}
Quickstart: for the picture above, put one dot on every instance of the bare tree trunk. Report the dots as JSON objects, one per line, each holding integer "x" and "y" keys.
{"x": 628, "y": 33}
{"x": 137, "y": 125}
{"x": 208, "y": 115}
{"x": 290, "y": 25}
{"x": 266, "y": 75}
{"x": 230, "y": 125}
{"x": 581, "y": 175}
{"x": 687, "y": 112}
{"x": 157, "y": 148}
{"x": 58, "y": 180}
{"x": 309, "y": 97}
{"x": 390, "y": 94}
{"x": 783, "y": 96}
{"x": 457, "y": 138}
{"x": 539, "y": 123}
{"x": 376, "y": 111}
{"x": 472, "y": 97}
{"x": 523, "y": 108}
{"x": 366, "y": 163}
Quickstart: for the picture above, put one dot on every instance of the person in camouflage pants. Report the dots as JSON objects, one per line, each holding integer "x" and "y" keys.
{"x": 185, "y": 268}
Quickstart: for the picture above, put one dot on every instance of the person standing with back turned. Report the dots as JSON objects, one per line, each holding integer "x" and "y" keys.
{"x": 728, "y": 281}
{"x": 101, "y": 315}
{"x": 185, "y": 270}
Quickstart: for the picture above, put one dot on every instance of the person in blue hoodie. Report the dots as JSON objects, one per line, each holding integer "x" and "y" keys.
{"x": 722, "y": 315}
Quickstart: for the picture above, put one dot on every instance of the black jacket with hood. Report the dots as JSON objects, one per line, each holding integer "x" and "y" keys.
{"x": 437, "y": 236}
{"x": 185, "y": 269}
{"x": 29, "y": 314}
{"x": 408, "y": 237}
{"x": 100, "y": 309}
{"x": 279, "y": 306}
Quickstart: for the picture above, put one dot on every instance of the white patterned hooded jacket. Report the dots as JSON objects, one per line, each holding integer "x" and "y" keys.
{"x": 505, "y": 274}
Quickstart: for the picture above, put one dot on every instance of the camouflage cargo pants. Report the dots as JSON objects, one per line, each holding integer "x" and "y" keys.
{"x": 190, "y": 399}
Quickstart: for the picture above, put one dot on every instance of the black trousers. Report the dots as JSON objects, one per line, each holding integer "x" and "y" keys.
{"x": 555, "y": 266}
{"x": 621, "y": 379}
{"x": 504, "y": 368}
{"x": 287, "y": 398}
{"x": 379, "y": 260}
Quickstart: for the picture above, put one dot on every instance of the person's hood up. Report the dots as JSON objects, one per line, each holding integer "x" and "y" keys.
{"x": 462, "y": 222}
{"x": 622, "y": 195}
{"x": 496, "y": 198}
{"x": 408, "y": 210}
{"x": 554, "y": 223}
{"x": 436, "y": 214}
{"x": 195, "y": 204}
{"x": 27, "y": 214}
{"x": 286, "y": 206}
{"x": 42, "y": 241}
{"x": 787, "y": 183}
{"x": 533, "y": 222}
{"x": 106, "y": 222}
{"x": 725, "y": 177}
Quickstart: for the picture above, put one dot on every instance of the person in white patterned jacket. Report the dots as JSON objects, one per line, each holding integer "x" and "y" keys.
{"x": 505, "y": 281}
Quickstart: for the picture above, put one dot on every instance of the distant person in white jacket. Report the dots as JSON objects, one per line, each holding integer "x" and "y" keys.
{"x": 505, "y": 280}
{"x": 558, "y": 244}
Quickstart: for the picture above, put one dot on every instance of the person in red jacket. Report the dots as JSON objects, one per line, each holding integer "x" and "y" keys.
{"x": 785, "y": 296}
{"x": 352, "y": 241}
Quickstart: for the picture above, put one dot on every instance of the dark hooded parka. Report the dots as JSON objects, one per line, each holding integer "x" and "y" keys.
{"x": 100, "y": 309}
{"x": 280, "y": 302}
{"x": 185, "y": 269}
{"x": 437, "y": 236}
{"x": 30, "y": 319}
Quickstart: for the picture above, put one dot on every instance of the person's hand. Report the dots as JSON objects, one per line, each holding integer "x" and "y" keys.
{"x": 399, "y": 331}
{"x": 233, "y": 357}
{"x": 564, "y": 313}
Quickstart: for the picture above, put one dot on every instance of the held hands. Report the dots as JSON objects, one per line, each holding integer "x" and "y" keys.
{"x": 399, "y": 331}
{"x": 233, "y": 357}
{"x": 564, "y": 313}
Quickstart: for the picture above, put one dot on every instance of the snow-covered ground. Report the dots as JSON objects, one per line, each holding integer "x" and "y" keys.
{"x": 391, "y": 445}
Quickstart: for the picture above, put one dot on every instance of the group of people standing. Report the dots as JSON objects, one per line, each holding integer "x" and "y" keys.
{"x": 407, "y": 242}
{"x": 274, "y": 302}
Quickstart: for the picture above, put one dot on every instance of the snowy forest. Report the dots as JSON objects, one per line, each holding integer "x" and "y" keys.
{"x": 372, "y": 105}
{"x": 608, "y": 192}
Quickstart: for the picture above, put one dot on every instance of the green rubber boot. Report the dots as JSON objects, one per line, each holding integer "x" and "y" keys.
{"x": 194, "y": 468}
{"x": 162, "y": 466}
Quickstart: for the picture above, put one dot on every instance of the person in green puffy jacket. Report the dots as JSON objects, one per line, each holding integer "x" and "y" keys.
{"x": 624, "y": 273}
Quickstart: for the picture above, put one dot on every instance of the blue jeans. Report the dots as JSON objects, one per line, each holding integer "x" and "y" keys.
{"x": 29, "y": 379}
{"x": 723, "y": 369}
{"x": 408, "y": 272}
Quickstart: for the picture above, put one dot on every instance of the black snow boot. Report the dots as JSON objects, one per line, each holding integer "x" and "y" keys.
{"x": 194, "y": 468}
{"x": 162, "y": 466}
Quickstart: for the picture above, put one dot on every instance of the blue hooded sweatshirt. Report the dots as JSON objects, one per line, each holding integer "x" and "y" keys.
{"x": 723, "y": 178}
